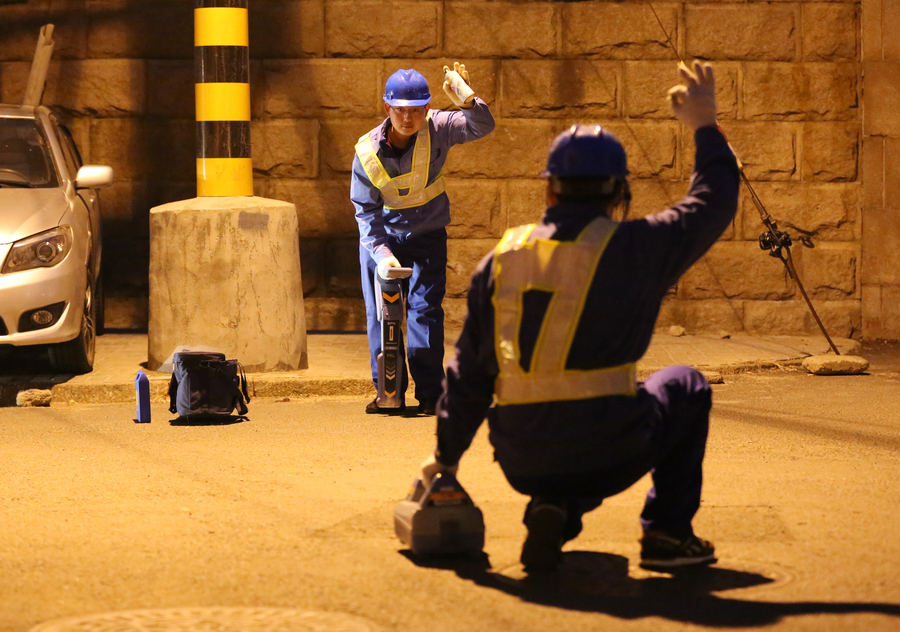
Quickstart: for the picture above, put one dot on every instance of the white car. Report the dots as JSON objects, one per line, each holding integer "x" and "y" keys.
{"x": 49, "y": 239}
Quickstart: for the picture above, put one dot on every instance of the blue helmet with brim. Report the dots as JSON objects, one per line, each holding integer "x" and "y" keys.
{"x": 585, "y": 151}
{"x": 406, "y": 88}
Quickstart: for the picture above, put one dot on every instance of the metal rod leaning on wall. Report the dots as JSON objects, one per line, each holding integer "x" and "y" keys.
{"x": 777, "y": 242}
{"x": 34, "y": 91}
{"x": 222, "y": 93}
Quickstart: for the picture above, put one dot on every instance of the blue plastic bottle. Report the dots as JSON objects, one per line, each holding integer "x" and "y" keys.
{"x": 142, "y": 388}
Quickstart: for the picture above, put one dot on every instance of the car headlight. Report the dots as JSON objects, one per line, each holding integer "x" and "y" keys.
{"x": 43, "y": 250}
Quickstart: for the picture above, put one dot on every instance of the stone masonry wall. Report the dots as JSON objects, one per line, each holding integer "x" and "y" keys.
{"x": 789, "y": 85}
{"x": 880, "y": 162}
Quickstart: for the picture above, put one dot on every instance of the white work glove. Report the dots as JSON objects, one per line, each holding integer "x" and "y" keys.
{"x": 385, "y": 264}
{"x": 694, "y": 104}
{"x": 456, "y": 85}
{"x": 431, "y": 467}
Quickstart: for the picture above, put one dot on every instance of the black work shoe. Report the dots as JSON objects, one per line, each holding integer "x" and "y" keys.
{"x": 427, "y": 406}
{"x": 665, "y": 552}
{"x": 372, "y": 408}
{"x": 542, "y": 551}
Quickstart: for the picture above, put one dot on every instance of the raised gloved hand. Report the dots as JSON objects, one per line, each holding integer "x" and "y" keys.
{"x": 431, "y": 467}
{"x": 456, "y": 85}
{"x": 385, "y": 264}
{"x": 694, "y": 104}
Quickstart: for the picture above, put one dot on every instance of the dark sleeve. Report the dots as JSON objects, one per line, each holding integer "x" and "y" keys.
{"x": 469, "y": 386}
{"x": 468, "y": 124}
{"x": 684, "y": 232}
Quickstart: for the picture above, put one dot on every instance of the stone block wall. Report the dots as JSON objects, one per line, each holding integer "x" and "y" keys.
{"x": 880, "y": 164}
{"x": 789, "y": 82}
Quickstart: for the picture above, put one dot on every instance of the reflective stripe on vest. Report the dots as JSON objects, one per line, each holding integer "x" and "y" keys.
{"x": 415, "y": 181}
{"x": 564, "y": 269}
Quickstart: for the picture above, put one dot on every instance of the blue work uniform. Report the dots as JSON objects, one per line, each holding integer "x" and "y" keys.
{"x": 595, "y": 431}
{"x": 398, "y": 218}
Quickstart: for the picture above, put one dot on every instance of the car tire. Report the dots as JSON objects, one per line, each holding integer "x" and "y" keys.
{"x": 77, "y": 355}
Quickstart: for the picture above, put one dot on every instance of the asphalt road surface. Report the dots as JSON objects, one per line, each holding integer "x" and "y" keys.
{"x": 290, "y": 512}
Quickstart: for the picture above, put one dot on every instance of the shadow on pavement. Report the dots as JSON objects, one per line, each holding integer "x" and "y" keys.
{"x": 200, "y": 420}
{"x": 600, "y": 582}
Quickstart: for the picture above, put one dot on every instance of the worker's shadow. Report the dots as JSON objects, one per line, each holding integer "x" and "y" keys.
{"x": 208, "y": 420}
{"x": 600, "y": 582}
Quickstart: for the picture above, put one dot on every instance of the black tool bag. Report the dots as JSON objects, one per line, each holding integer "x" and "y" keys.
{"x": 207, "y": 384}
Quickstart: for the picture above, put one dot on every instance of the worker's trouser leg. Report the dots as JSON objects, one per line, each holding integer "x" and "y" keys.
{"x": 679, "y": 424}
{"x": 685, "y": 399}
{"x": 424, "y": 290}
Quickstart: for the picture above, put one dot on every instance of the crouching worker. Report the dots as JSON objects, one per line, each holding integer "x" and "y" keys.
{"x": 402, "y": 211}
{"x": 559, "y": 314}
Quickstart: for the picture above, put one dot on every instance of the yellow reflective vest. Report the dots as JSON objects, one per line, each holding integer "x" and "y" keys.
{"x": 407, "y": 190}
{"x": 565, "y": 270}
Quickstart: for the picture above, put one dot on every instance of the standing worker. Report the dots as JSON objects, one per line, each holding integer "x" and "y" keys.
{"x": 402, "y": 210}
{"x": 558, "y": 316}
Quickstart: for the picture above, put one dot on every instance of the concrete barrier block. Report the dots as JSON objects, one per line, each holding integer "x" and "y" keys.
{"x": 475, "y": 207}
{"x": 324, "y": 208}
{"x": 522, "y": 30}
{"x": 801, "y": 91}
{"x": 752, "y": 32}
{"x": 225, "y": 273}
{"x": 463, "y": 256}
{"x": 830, "y": 152}
{"x": 355, "y": 28}
{"x": 830, "y": 31}
{"x": 768, "y": 150}
{"x": 515, "y": 149}
{"x": 619, "y": 30}
{"x": 827, "y": 211}
{"x": 736, "y": 270}
{"x": 286, "y": 147}
{"x": 322, "y": 88}
{"x": 287, "y": 29}
{"x": 140, "y": 29}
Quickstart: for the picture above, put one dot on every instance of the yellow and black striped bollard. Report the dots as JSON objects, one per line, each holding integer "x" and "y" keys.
{"x": 222, "y": 92}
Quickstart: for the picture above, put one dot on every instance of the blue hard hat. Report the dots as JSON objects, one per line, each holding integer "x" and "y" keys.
{"x": 406, "y": 88}
{"x": 586, "y": 151}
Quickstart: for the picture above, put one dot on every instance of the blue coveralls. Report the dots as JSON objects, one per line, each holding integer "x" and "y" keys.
{"x": 580, "y": 451}
{"x": 417, "y": 237}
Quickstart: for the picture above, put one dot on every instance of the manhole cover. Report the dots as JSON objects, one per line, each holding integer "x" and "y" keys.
{"x": 210, "y": 620}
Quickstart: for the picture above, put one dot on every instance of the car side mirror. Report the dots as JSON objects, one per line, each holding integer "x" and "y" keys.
{"x": 93, "y": 176}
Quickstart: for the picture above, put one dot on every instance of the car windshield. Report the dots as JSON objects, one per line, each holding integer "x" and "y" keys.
{"x": 25, "y": 159}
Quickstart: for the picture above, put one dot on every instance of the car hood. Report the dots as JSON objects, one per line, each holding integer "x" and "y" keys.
{"x": 24, "y": 212}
